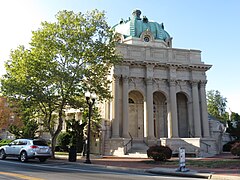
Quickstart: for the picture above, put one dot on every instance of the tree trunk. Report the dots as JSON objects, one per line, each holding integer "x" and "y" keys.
{"x": 54, "y": 139}
{"x": 55, "y": 135}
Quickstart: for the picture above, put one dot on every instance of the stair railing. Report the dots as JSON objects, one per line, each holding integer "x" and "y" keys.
{"x": 130, "y": 142}
{"x": 207, "y": 145}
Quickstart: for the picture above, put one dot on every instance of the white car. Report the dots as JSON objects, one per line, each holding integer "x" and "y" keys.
{"x": 25, "y": 149}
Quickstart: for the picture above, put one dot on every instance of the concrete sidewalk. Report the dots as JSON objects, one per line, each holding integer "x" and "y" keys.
{"x": 146, "y": 165}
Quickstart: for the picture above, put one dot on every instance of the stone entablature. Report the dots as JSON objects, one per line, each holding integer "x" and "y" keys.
{"x": 147, "y": 54}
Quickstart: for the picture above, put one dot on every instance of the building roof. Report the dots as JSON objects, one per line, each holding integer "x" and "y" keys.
{"x": 135, "y": 26}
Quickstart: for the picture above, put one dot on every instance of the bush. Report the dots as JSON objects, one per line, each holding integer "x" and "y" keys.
{"x": 235, "y": 150}
{"x": 63, "y": 140}
{"x": 227, "y": 147}
{"x": 159, "y": 153}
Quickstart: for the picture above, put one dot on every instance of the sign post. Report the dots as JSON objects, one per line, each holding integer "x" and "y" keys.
{"x": 182, "y": 160}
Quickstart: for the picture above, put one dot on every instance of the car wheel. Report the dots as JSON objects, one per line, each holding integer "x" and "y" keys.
{"x": 23, "y": 156}
{"x": 42, "y": 159}
{"x": 2, "y": 154}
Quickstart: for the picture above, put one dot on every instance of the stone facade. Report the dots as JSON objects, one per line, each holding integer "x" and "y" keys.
{"x": 158, "y": 96}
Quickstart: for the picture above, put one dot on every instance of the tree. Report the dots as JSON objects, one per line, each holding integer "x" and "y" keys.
{"x": 75, "y": 129}
{"x": 234, "y": 126}
{"x": 216, "y": 105}
{"x": 65, "y": 58}
{"x": 235, "y": 116}
{"x": 27, "y": 131}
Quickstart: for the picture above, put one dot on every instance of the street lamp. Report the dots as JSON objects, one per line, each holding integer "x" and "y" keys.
{"x": 90, "y": 101}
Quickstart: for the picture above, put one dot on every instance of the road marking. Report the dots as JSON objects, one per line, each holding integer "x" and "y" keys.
{"x": 20, "y": 176}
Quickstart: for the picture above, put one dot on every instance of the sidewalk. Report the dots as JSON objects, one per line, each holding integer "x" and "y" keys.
{"x": 148, "y": 165}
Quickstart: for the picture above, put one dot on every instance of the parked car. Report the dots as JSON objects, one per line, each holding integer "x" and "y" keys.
{"x": 25, "y": 149}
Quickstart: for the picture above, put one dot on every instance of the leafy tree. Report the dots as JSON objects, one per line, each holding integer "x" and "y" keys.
{"x": 65, "y": 58}
{"x": 235, "y": 116}
{"x": 64, "y": 140}
{"x": 234, "y": 126}
{"x": 75, "y": 129}
{"x": 27, "y": 131}
{"x": 216, "y": 104}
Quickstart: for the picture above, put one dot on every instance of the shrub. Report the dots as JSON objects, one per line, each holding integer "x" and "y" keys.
{"x": 159, "y": 153}
{"x": 235, "y": 150}
{"x": 227, "y": 147}
{"x": 63, "y": 140}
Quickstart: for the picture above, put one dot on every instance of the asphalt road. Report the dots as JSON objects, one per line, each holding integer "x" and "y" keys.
{"x": 11, "y": 169}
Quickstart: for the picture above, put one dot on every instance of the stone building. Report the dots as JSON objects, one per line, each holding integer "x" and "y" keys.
{"x": 158, "y": 93}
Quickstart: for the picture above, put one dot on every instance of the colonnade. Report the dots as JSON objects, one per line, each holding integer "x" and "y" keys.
{"x": 199, "y": 109}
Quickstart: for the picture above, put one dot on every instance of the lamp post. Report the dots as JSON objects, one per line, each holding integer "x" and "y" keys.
{"x": 90, "y": 101}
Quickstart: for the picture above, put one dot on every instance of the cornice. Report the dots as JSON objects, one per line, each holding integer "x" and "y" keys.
{"x": 176, "y": 66}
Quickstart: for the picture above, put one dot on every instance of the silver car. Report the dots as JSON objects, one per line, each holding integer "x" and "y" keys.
{"x": 26, "y": 149}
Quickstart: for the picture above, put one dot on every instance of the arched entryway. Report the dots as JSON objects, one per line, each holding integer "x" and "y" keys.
{"x": 136, "y": 114}
{"x": 182, "y": 113}
{"x": 160, "y": 115}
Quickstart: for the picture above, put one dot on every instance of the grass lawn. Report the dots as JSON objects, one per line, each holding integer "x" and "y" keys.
{"x": 206, "y": 163}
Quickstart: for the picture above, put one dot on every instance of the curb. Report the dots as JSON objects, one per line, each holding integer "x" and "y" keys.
{"x": 160, "y": 171}
{"x": 172, "y": 172}
{"x": 224, "y": 177}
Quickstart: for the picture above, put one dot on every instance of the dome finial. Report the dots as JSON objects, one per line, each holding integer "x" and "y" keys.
{"x": 136, "y": 13}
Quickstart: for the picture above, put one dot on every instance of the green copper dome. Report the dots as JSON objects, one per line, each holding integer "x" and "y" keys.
{"x": 135, "y": 26}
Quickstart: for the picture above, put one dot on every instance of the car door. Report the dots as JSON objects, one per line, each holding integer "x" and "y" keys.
{"x": 11, "y": 147}
{"x": 20, "y": 144}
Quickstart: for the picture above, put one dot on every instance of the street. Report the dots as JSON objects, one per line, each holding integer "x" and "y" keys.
{"x": 52, "y": 170}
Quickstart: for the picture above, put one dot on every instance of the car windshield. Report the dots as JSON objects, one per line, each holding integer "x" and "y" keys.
{"x": 39, "y": 143}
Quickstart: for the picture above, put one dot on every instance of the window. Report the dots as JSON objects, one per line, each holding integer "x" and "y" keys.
{"x": 39, "y": 143}
{"x": 146, "y": 39}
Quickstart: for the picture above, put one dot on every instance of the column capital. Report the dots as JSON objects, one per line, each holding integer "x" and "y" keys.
{"x": 172, "y": 82}
{"x": 116, "y": 77}
{"x": 125, "y": 78}
{"x": 203, "y": 83}
{"x": 149, "y": 81}
{"x": 194, "y": 82}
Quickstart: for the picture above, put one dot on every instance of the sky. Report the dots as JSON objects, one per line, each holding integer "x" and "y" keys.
{"x": 210, "y": 26}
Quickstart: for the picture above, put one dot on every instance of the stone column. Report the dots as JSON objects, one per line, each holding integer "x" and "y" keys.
{"x": 169, "y": 120}
{"x": 173, "y": 109}
{"x": 115, "y": 120}
{"x": 125, "y": 107}
{"x": 190, "y": 119}
{"x": 196, "y": 109}
{"x": 205, "y": 122}
{"x": 149, "y": 104}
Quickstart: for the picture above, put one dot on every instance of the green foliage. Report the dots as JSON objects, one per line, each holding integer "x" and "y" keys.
{"x": 159, "y": 153}
{"x": 227, "y": 147}
{"x": 234, "y": 129}
{"x": 63, "y": 140}
{"x": 5, "y": 142}
{"x": 27, "y": 131}
{"x": 235, "y": 116}
{"x": 75, "y": 129}
{"x": 216, "y": 105}
{"x": 235, "y": 150}
{"x": 65, "y": 58}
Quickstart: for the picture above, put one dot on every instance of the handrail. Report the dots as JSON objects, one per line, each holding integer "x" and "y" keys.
{"x": 126, "y": 145}
{"x": 208, "y": 145}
